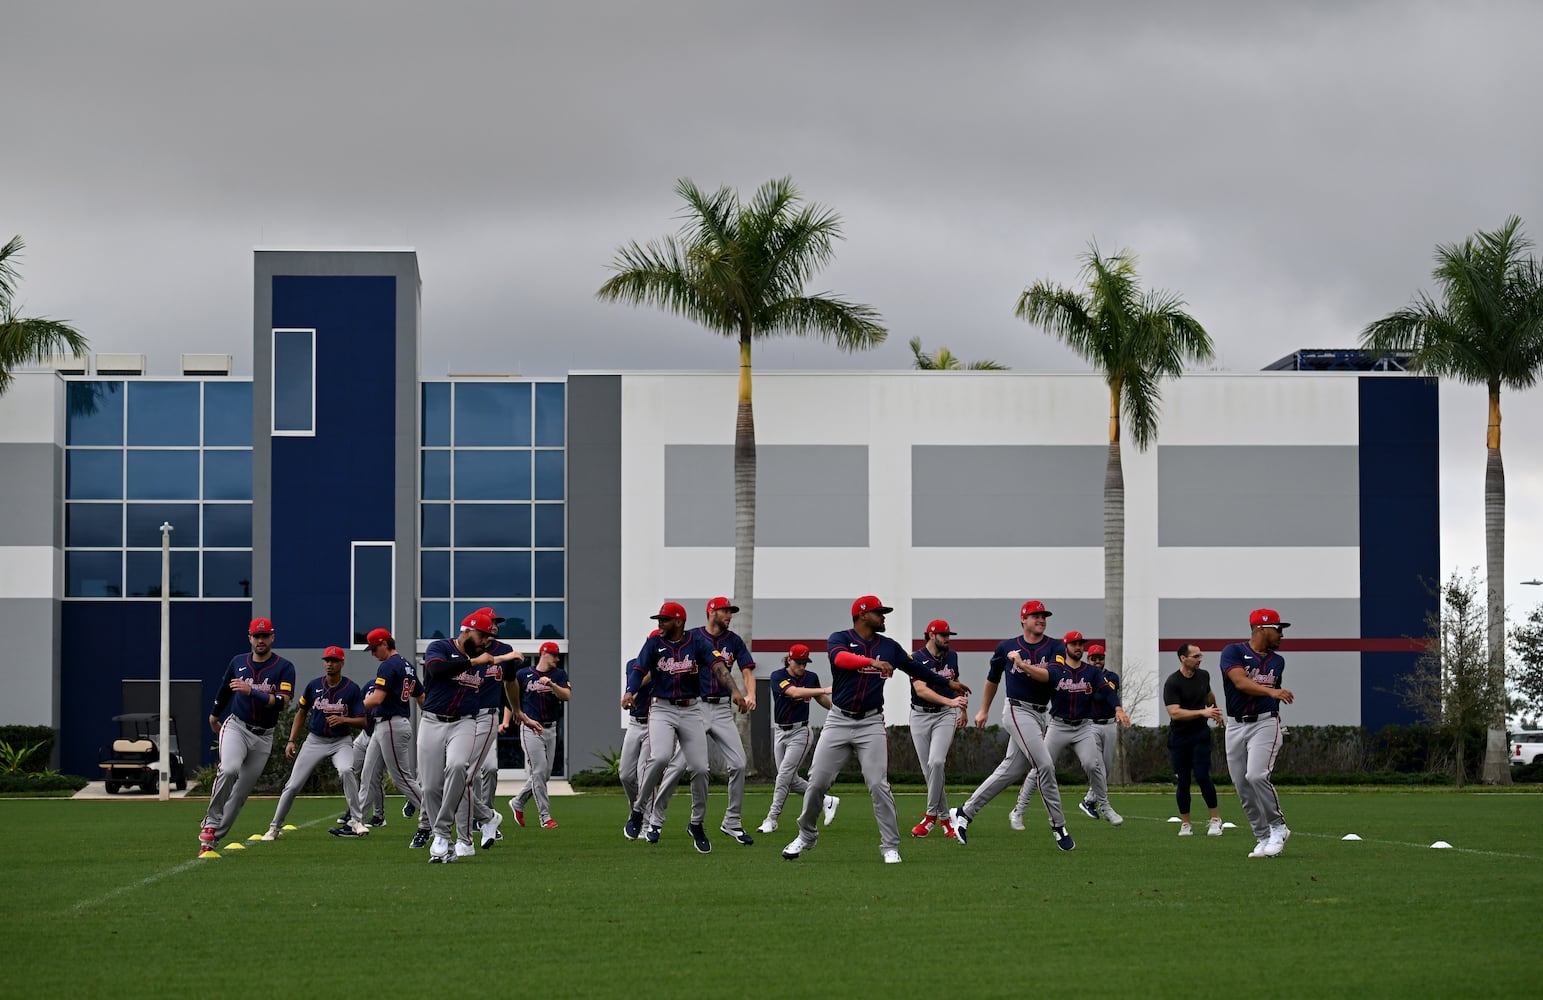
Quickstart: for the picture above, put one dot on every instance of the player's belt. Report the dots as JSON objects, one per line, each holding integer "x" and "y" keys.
{"x": 791, "y": 725}
{"x": 714, "y": 701}
{"x": 678, "y": 702}
{"x": 1021, "y": 703}
{"x": 639, "y": 718}
{"x": 1255, "y": 718}
{"x": 928, "y": 708}
{"x": 255, "y": 730}
{"x": 1102, "y": 722}
{"x": 444, "y": 718}
{"x": 857, "y": 716}
{"x": 1070, "y": 722}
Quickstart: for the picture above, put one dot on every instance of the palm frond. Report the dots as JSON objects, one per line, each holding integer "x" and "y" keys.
{"x": 8, "y": 276}
{"x": 850, "y": 326}
{"x": 30, "y": 340}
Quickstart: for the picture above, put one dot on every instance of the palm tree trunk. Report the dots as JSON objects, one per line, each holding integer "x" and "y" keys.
{"x": 1114, "y": 564}
{"x": 744, "y": 526}
{"x": 1497, "y": 769}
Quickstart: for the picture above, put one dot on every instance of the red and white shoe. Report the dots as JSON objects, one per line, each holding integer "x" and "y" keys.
{"x": 925, "y": 826}
{"x": 550, "y": 824}
{"x": 948, "y": 827}
{"x": 519, "y": 814}
{"x": 206, "y": 836}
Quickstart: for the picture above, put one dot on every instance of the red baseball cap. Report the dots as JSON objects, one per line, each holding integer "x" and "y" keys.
{"x": 480, "y": 621}
{"x": 869, "y": 603}
{"x": 1033, "y": 608}
{"x": 550, "y": 647}
{"x": 799, "y": 652}
{"x": 334, "y": 653}
{"x": 376, "y": 637}
{"x": 1097, "y": 649}
{"x": 721, "y": 604}
{"x": 938, "y": 627}
{"x": 1073, "y": 636}
{"x": 670, "y": 609}
{"x": 653, "y": 633}
{"x": 1267, "y": 617}
{"x": 259, "y": 626}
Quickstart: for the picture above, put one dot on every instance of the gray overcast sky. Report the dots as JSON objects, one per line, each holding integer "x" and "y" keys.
{"x": 1287, "y": 168}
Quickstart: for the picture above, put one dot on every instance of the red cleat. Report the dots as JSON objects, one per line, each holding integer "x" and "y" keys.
{"x": 550, "y": 824}
{"x": 519, "y": 816}
{"x": 948, "y": 827}
{"x": 206, "y": 835}
{"x": 925, "y": 826}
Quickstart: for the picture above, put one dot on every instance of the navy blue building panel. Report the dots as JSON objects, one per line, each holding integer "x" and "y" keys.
{"x": 1400, "y": 535}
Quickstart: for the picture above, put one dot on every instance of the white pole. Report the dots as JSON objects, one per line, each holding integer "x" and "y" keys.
{"x": 165, "y": 764}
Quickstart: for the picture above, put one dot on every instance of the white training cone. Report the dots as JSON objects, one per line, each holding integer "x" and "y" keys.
{"x": 1229, "y": 826}
{"x": 1173, "y": 819}
{"x": 1441, "y": 845}
{"x": 1350, "y": 836}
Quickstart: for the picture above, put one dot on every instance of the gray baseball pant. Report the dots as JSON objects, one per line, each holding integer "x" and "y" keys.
{"x": 1026, "y": 746}
{"x": 484, "y": 741}
{"x": 1251, "y": 751}
{"x": 372, "y": 797}
{"x": 313, "y": 751}
{"x": 540, "y": 753}
{"x": 634, "y": 755}
{"x": 243, "y": 755}
{"x": 1108, "y": 737}
{"x": 723, "y": 737}
{"x": 840, "y": 737}
{"x": 389, "y": 751}
{"x": 444, "y": 750}
{"x": 1080, "y": 737}
{"x": 669, "y": 725}
{"x": 789, "y": 745}
{"x": 933, "y": 734}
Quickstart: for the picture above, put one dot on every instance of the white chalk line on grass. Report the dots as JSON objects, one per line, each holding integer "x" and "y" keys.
{"x": 1384, "y": 843}
{"x": 151, "y": 879}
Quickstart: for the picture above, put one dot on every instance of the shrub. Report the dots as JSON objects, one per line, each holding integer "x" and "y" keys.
{"x": 40, "y": 781}
{"x": 19, "y": 737}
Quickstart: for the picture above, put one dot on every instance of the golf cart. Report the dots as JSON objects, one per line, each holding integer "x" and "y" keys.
{"x": 136, "y": 756}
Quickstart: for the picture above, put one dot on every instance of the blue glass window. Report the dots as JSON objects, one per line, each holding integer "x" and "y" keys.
{"x": 492, "y": 574}
{"x": 163, "y": 475}
{"x": 94, "y": 475}
{"x": 227, "y": 574}
{"x": 228, "y": 414}
{"x": 436, "y": 414}
{"x": 434, "y": 620}
{"x": 372, "y": 589}
{"x": 228, "y": 525}
{"x": 144, "y": 525}
{"x": 549, "y": 414}
{"x": 492, "y": 475}
{"x": 93, "y": 574}
{"x": 163, "y": 413}
{"x": 492, "y": 414}
{"x": 95, "y": 413}
{"x": 227, "y": 475}
{"x": 549, "y": 475}
{"x": 294, "y": 382}
{"x": 435, "y": 573}
{"x": 143, "y": 572}
{"x": 94, "y": 525}
{"x": 436, "y": 525}
{"x": 549, "y": 525}
{"x": 549, "y": 620}
{"x": 436, "y": 475}
{"x": 549, "y": 574}
{"x": 516, "y": 616}
{"x": 492, "y": 525}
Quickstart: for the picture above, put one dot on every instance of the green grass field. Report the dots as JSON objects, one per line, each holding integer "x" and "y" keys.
{"x": 106, "y": 899}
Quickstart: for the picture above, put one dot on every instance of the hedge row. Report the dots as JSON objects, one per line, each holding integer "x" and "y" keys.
{"x": 18, "y": 737}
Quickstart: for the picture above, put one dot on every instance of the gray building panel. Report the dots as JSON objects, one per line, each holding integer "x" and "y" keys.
{"x": 1248, "y": 496}
{"x": 30, "y": 516}
{"x": 29, "y": 625}
{"x": 1326, "y": 687}
{"x": 1184, "y": 618}
{"x": 979, "y": 496}
{"x": 993, "y": 618}
{"x": 806, "y": 496}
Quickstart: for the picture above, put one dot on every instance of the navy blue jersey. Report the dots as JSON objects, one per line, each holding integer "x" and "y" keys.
{"x": 791, "y": 711}
{"x": 945, "y": 666}
{"x": 1264, "y": 669}
{"x": 1106, "y": 698}
{"x": 732, "y": 653}
{"x": 491, "y": 694}
{"x": 536, "y": 698}
{"x": 677, "y": 666}
{"x": 1020, "y": 685}
{"x": 322, "y": 701}
{"x": 861, "y": 689}
{"x": 274, "y": 676}
{"x": 1073, "y": 687}
{"x": 451, "y": 685}
{"x": 399, "y": 680}
{"x": 644, "y": 698}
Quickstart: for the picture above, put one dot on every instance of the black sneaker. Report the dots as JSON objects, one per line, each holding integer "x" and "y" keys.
{"x": 699, "y": 839}
{"x": 1063, "y": 840}
{"x": 408, "y": 810}
{"x": 634, "y": 826}
{"x": 421, "y": 839}
{"x": 377, "y": 820}
{"x": 343, "y": 831}
{"x": 739, "y": 835}
{"x": 1090, "y": 808}
{"x": 652, "y": 836}
{"x": 343, "y": 819}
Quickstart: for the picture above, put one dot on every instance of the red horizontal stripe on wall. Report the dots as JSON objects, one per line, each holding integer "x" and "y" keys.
{"x": 1291, "y": 644}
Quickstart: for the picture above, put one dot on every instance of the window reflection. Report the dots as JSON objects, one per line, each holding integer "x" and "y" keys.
{"x": 228, "y": 574}
{"x": 94, "y": 413}
{"x": 436, "y": 414}
{"x": 228, "y": 525}
{"x": 227, "y": 475}
{"x": 93, "y": 574}
{"x": 228, "y": 414}
{"x": 505, "y": 574}
{"x": 143, "y": 574}
{"x": 145, "y": 519}
{"x": 436, "y": 525}
{"x": 492, "y": 475}
{"x": 550, "y": 414}
{"x": 492, "y": 525}
{"x": 549, "y": 526}
{"x": 163, "y": 413}
{"x": 492, "y": 414}
{"x": 94, "y": 525}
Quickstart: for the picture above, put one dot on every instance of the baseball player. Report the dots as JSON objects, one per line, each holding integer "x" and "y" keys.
{"x": 253, "y": 691}
{"x": 934, "y": 719}
{"x": 718, "y": 708}
{"x": 390, "y": 698}
{"x": 482, "y": 772}
{"x": 678, "y": 661}
{"x": 861, "y": 658}
{"x": 792, "y": 686}
{"x": 542, "y": 690}
{"x": 332, "y": 708}
{"x": 634, "y": 744}
{"x": 372, "y": 799}
{"x": 1191, "y": 710}
{"x": 1251, "y": 676}
{"x": 1024, "y": 719}
{"x": 1107, "y": 713}
{"x": 452, "y": 681}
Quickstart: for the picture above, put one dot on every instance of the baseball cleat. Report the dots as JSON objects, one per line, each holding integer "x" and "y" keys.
{"x": 272, "y": 834}
{"x": 961, "y": 823}
{"x": 344, "y": 831}
{"x": 206, "y": 835}
{"x": 343, "y": 819}
{"x": 490, "y": 830}
{"x": 1281, "y": 833}
{"x": 359, "y": 828}
{"x": 1185, "y": 830}
{"x": 420, "y": 839}
{"x": 1214, "y": 828}
{"x": 1088, "y": 808}
{"x": 377, "y": 820}
{"x": 948, "y": 827}
{"x": 549, "y": 824}
{"x": 739, "y": 835}
{"x": 652, "y": 836}
{"x": 1258, "y": 851}
{"x": 440, "y": 852}
{"x": 1015, "y": 819}
{"x": 464, "y": 849}
{"x": 519, "y": 814}
{"x": 630, "y": 831}
{"x": 796, "y": 848}
{"x": 1063, "y": 840}
{"x": 699, "y": 839}
{"x": 829, "y": 807}
{"x": 1107, "y": 812}
{"x": 770, "y": 826}
{"x": 891, "y": 856}
{"x": 925, "y": 826}
{"x": 408, "y": 810}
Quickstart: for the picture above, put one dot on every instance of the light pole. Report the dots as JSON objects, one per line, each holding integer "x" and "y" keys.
{"x": 165, "y": 762}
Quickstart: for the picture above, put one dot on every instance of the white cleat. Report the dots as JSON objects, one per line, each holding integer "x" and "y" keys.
{"x": 1185, "y": 830}
{"x": 464, "y": 849}
{"x": 440, "y": 852}
{"x": 891, "y": 856}
{"x": 1107, "y": 812}
{"x": 1258, "y": 851}
{"x": 829, "y": 805}
{"x": 272, "y": 834}
{"x": 490, "y": 829}
{"x": 1214, "y": 828}
{"x": 796, "y": 848}
{"x": 1015, "y": 820}
{"x": 770, "y": 826}
{"x": 359, "y": 828}
{"x": 1280, "y": 833}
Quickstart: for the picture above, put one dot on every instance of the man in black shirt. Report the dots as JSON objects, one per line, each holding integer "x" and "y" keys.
{"x": 1191, "y": 706}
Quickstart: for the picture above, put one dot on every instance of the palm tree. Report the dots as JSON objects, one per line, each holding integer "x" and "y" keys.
{"x": 25, "y": 340}
{"x": 740, "y": 271}
{"x": 1487, "y": 330}
{"x": 944, "y": 360}
{"x": 1135, "y": 340}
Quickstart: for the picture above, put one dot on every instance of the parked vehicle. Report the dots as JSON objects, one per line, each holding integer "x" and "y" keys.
{"x": 136, "y": 755}
{"x": 1527, "y": 748}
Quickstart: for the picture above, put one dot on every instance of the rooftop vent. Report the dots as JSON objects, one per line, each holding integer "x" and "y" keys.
{"x": 64, "y": 364}
{"x": 205, "y": 364}
{"x": 120, "y": 364}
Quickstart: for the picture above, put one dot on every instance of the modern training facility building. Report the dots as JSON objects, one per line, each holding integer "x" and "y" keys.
{"x": 339, "y": 488}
